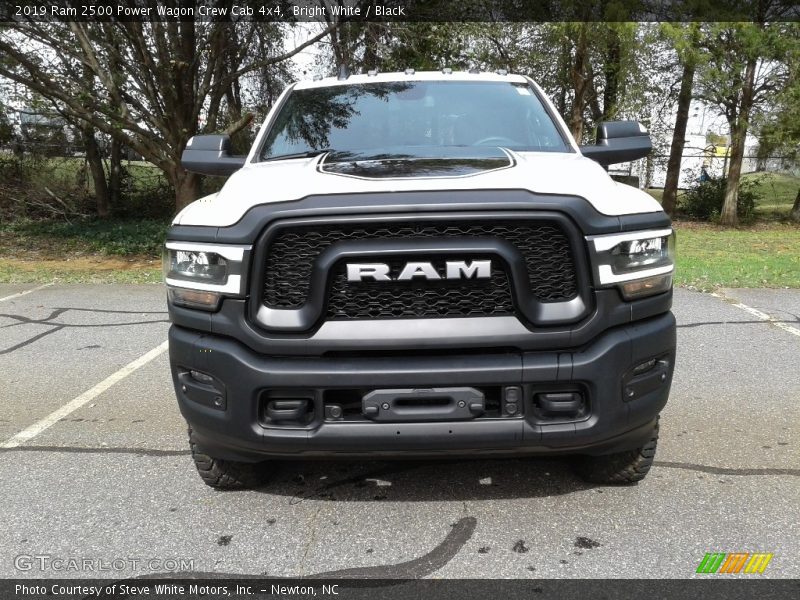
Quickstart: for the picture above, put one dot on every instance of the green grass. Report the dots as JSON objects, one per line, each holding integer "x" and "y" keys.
{"x": 765, "y": 257}
{"x": 766, "y": 254}
{"x": 82, "y": 252}
{"x": 776, "y": 194}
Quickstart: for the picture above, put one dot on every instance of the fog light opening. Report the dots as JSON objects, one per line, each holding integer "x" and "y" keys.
{"x": 649, "y": 286}
{"x": 194, "y": 298}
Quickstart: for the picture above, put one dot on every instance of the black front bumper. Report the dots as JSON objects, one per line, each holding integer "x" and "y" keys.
{"x": 227, "y": 415}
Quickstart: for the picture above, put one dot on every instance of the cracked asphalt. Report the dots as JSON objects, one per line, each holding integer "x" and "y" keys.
{"x": 113, "y": 479}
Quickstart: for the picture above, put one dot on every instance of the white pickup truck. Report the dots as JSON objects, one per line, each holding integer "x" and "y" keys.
{"x": 420, "y": 264}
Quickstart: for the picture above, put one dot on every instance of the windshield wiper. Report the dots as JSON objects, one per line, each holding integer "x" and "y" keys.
{"x": 306, "y": 154}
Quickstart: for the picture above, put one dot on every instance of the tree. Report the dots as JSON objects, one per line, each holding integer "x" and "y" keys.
{"x": 780, "y": 129}
{"x": 350, "y": 41}
{"x": 153, "y": 81}
{"x": 94, "y": 158}
{"x": 589, "y": 68}
{"x": 743, "y": 72}
{"x": 398, "y": 46}
{"x": 6, "y": 128}
{"x": 686, "y": 41}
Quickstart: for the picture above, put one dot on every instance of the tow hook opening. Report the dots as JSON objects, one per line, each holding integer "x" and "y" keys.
{"x": 288, "y": 407}
{"x": 560, "y": 404}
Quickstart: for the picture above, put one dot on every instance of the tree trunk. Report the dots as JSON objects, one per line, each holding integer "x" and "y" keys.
{"x": 678, "y": 140}
{"x": 738, "y": 125}
{"x": 115, "y": 172}
{"x": 564, "y": 63}
{"x": 94, "y": 159}
{"x": 795, "y": 212}
{"x": 340, "y": 44}
{"x": 649, "y": 169}
{"x": 579, "y": 84}
{"x": 187, "y": 187}
{"x": 611, "y": 70}
{"x": 371, "y": 39}
{"x": 729, "y": 217}
{"x": 98, "y": 173}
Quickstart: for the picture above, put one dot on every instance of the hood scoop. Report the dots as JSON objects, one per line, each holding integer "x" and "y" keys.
{"x": 455, "y": 161}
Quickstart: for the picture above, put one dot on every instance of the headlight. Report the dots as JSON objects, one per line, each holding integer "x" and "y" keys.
{"x": 635, "y": 255}
{"x": 198, "y": 275}
{"x": 640, "y": 263}
{"x": 196, "y": 266}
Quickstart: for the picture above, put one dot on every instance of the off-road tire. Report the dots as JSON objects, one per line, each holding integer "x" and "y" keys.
{"x": 227, "y": 474}
{"x": 624, "y": 468}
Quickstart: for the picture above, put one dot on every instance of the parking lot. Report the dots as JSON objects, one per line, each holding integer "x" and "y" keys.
{"x": 96, "y": 465}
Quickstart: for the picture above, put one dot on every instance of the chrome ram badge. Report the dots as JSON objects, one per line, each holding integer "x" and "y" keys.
{"x": 454, "y": 269}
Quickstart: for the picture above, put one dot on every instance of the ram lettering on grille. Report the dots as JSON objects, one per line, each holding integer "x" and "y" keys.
{"x": 454, "y": 269}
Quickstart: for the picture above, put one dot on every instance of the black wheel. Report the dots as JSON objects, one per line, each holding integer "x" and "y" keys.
{"x": 227, "y": 474}
{"x": 624, "y": 468}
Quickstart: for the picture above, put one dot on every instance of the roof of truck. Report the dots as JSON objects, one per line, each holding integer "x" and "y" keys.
{"x": 410, "y": 75}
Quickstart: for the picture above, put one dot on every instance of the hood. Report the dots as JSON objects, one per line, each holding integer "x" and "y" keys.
{"x": 567, "y": 174}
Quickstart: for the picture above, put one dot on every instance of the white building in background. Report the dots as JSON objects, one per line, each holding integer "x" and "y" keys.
{"x": 701, "y": 156}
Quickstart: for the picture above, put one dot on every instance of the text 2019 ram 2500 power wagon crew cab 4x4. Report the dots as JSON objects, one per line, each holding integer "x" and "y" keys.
{"x": 420, "y": 264}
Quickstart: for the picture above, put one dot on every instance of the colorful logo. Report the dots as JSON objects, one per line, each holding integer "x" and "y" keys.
{"x": 734, "y": 562}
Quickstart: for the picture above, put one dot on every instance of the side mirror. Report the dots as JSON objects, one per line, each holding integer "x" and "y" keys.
{"x": 211, "y": 155}
{"x": 619, "y": 141}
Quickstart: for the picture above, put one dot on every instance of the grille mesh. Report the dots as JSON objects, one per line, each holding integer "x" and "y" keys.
{"x": 543, "y": 244}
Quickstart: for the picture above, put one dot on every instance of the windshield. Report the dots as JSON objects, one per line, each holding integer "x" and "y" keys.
{"x": 411, "y": 118}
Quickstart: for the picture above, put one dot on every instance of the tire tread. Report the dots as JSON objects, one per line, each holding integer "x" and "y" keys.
{"x": 623, "y": 468}
{"x": 223, "y": 474}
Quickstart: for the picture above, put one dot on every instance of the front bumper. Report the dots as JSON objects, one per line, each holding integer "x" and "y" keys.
{"x": 228, "y": 420}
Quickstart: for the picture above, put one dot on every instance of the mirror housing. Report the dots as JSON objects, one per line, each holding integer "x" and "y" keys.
{"x": 211, "y": 155}
{"x": 618, "y": 141}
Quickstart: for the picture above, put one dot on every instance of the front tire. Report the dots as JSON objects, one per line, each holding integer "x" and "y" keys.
{"x": 623, "y": 468}
{"x": 223, "y": 474}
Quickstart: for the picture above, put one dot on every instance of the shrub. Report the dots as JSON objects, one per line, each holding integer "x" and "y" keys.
{"x": 145, "y": 193}
{"x": 36, "y": 188}
{"x": 705, "y": 200}
{"x": 117, "y": 238}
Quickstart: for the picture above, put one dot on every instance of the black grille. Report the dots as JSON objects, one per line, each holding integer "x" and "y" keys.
{"x": 543, "y": 244}
{"x": 437, "y": 298}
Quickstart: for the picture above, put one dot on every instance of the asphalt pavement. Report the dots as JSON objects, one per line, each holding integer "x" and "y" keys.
{"x": 111, "y": 480}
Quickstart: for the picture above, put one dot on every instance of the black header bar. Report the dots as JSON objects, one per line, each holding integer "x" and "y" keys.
{"x": 295, "y": 11}
{"x": 207, "y": 587}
